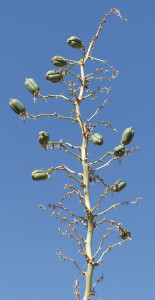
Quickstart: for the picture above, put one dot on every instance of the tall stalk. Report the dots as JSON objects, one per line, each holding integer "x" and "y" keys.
{"x": 84, "y": 156}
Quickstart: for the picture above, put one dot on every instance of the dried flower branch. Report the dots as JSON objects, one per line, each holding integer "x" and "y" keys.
{"x": 76, "y": 287}
{"x": 109, "y": 249}
{"x": 100, "y": 159}
{"x": 73, "y": 222}
{"x": 64, "y": 168}
{"x": 91, "y": 46}
{"x": 51, "y": 146}
{"x": 55, "y": 96}
{"x": 96, "y": 112}
{"x": 107, "y": 164}
{"x": 50, "y": 115}
{"x": 101, "y": 243}
{"x": 72, "y": 260}
{"x": 117, "y": 204}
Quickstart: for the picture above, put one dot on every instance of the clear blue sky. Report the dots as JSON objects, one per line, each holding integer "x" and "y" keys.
{"x": 31, "y": 33}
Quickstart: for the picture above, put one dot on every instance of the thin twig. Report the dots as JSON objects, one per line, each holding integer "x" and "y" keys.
{"x": 62, "y": 145}
{"x": 76, "y": 287}
{"x": 91, "y": 46}
{"x": 55, "y": 96}
{"x": 54, "y": 206}
{"x": 98, "y": 203}
{"x": 100, "y": 159}
{"x": 96, "y": 112}
{"x": 117, "y": 204}
{"x": 101, "y": 243}
{"x": 107, "y": 164}
{"x": 50, "y": 115}
{"x": 63, "y": 167}
{"x": 71, "y": 259}
{"x": 109, "y": 249}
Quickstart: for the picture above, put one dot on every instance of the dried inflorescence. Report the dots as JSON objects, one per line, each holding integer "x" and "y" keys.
{"x": 76, "y": 221}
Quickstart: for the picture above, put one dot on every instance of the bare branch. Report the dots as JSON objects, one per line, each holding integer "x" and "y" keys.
{"x": 98, "y": 203}
{"x": 96, "y": 112}
{"x": 75, "y": 190}
{"x": 131, "y": 150}
{"x": 73, "y": 147}
{"x": 91, "y": 46}
{"x": 64, "y": 168}
{"x": 71, "y": 259}
{"x": 107, "y": 164}
{"x": 109, "y": 249}
{"x": 110, "y": 221}
{"x": 54, "y": 206}
{"x": 101, "y": 243}
{"x": 51, "y": 146}
{"x": 80, "y": 196}
{"x": 98, "y": 280}
{"x": 103, "y": 123}
{"x": 117, "y": 204}
{"x": 114, "y": 71}
{"x": 101, "y": 78}
{"x": 76, "y": 287}
{"x": 93, "y": 93}
{"x": 69, "y": 235}
{"x": 55, "y": 96}
{"x": 97, "y": 71}
{"x": 50, "y": 115}
{"x": 100, "y": 159}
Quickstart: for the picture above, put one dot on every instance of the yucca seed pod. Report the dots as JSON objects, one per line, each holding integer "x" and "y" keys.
{"x": 59, "y": 61}
{"x": 127, "y": 136}
{"x": 17, "y": 106}
{"x": 54, "y": 76}
{"x": 43, "y": 139}
{"x": 39, "y": 175}
{"x": 97, "y": 139}
{"x": 32, "y": 86}
{"x": 124, "y": 233}
{"x": 74, "y": 42}
{"x": 119, "y": 150}
{"x": 119, "y": 185}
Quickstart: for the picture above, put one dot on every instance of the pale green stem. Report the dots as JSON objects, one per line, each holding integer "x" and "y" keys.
{"x": 74, "y": 75}
{"x": 84, "y": 155}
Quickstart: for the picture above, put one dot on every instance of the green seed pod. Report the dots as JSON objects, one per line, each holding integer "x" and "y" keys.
{"x": 54, "y": 76}
{"x": 75, "y": 42}
{"x": 59, "y": 61}
{"x": 38, "y": 175}
{"x": 127, "y": 136}
{"x": 17, "y": 106}
{"x": 124, "y": 233}
{"x": 43, "y": 139}
{"x": 32, "y": 86}
{"x": 97, "y": 139}
{"x": 119, "y": 185}
{"x": 119, "y": 150}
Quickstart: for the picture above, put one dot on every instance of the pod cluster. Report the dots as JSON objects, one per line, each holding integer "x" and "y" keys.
{"x": 17, "y": 106}
{"x": 124, "y": 233}
{"x": 59, "y": 61}
{"x": 54, "y": 76}
{"x": 97, "y": 139}
{"x": 119, "y": 185}
{"x": 39, "y": 175}
{"x": 32, "y": 86}
{"x": 127, "y": 137}
{"x": 43, "y": 139}
{"x": 75, "y": 42}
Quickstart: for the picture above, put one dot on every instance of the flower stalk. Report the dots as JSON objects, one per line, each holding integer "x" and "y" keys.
{"x": 84, "y": 156}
